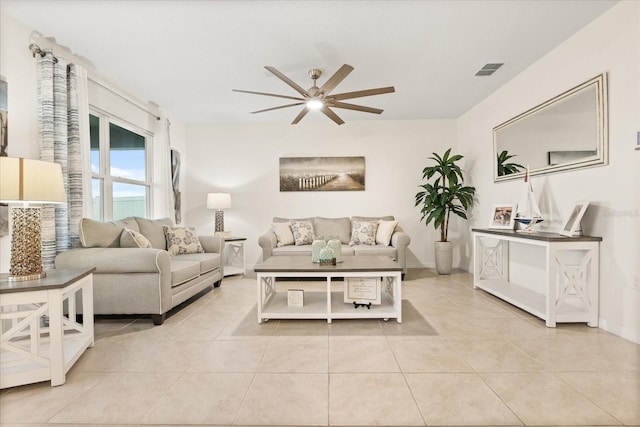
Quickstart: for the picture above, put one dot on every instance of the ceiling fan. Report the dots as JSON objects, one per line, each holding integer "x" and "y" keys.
{"x": 320, "y": 98}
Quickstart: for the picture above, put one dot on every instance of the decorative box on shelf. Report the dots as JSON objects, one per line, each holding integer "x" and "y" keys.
{"x": 362, "y": 290}
{"x": 295, "y": 298}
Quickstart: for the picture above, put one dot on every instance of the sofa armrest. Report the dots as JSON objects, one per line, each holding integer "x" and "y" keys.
{"x": 212, "y": 244}
{"x": 116, "y": 260}
{"x": 400, "y": 240}
{"x": 267, "y": 242}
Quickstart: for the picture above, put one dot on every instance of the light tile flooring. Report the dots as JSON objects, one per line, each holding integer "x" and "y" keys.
{"x": 460, "y": 357}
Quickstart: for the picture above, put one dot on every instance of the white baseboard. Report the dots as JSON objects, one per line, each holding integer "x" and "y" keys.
{"x": 626, "y": 333}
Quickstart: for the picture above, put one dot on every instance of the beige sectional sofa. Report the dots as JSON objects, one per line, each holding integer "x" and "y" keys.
{"x": 133, "y": 279}
{"x": 389, "y": 239}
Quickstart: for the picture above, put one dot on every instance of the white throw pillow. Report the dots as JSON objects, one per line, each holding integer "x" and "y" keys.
{"x": 302, "y": 232}
{"x": 132, "y": 239}
{"x": 363, "y": 232}
{"x": 385, "y": 231}
{"x": 283, "y": 233}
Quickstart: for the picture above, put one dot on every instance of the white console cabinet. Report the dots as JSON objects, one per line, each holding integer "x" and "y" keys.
{"x": 557, "y": 278}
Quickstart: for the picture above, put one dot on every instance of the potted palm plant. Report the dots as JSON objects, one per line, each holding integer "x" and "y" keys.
{"x": 443, "y": 193}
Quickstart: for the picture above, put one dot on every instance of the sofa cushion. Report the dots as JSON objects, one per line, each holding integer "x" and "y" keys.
{"x": 283, "y": 233}
{"x": 279, "y": 219}
{"x": 101, "y": 234}
{"x": 385, "y": 231}
{"x": 132, "y": 239}
{"x": 373, "y": 218}
{"x": 363, "y": 232}
{"x": 183, "y": 270}
{"x": 302, "y": 232}
{"x": 182, "y": 240}
{"x": 208, "y": 261}
{"x": 152, "y": 230}
{"x": 378, "y": 249}
{"x": 328, "y": 227}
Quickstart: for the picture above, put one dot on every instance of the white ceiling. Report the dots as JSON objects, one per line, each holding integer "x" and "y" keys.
{"x": 186, "y": 56}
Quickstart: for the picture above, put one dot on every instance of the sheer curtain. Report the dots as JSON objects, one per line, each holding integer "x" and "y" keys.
{"x": 63, "y": 129}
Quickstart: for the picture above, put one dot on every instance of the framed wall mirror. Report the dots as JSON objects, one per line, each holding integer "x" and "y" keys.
{"x": 567, "y": 132}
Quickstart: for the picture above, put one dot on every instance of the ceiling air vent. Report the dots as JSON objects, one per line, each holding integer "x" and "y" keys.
{"x": 489, "y": 69}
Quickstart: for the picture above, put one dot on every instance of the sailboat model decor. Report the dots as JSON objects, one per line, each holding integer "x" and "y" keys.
{"x": 528, "y": 212}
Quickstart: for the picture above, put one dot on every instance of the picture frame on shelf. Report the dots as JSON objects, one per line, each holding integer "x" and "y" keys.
{"x": 572, "y": 226}
{"x": 503, "y": 216}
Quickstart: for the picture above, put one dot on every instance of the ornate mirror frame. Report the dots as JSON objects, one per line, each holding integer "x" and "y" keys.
{"x": 569, "y": 131}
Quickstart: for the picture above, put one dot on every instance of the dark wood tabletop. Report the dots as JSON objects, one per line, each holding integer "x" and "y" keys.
{"x": 303, "y": 264}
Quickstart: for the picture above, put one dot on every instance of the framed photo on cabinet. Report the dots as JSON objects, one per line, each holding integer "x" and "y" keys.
{"x": 572, "y": 226}
{"x": 503, "y": 216}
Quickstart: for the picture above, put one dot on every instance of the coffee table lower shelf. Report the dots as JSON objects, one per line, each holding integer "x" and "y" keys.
{"x": 315, "y": 307}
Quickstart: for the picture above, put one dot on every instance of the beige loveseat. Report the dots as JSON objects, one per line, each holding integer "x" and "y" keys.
{"x": 388, "y": 239}
{"x": 133, "y": 279}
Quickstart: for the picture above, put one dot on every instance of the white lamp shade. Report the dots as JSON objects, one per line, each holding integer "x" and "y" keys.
{"x": 33, "y": 181}
{"x": 218, "y": 201}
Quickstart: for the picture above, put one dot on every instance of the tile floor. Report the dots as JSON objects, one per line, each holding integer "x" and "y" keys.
{"x": 460, "y": 357}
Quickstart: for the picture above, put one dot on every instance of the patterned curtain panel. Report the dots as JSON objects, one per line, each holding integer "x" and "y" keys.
{"x": 60, "y": 142}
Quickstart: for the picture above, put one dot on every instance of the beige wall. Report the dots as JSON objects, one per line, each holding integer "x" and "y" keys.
{"x": 243, "y": 160}
{"x": 609, "y": 44}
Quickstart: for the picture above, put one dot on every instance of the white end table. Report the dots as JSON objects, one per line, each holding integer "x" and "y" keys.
{"x": 234, "y": 259}
{"x": 32, "y": 351}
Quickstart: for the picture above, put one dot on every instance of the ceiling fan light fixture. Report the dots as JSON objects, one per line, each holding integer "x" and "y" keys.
{"x": 314, "y": 104}
{"x": 321, "y": 98}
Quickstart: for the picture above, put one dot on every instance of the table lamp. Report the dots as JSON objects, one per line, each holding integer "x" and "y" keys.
{"x": 26, "y": 182}
{"x": 218, "y": 202}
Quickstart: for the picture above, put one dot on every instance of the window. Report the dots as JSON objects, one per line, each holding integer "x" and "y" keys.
{"x": 120, "y": 175}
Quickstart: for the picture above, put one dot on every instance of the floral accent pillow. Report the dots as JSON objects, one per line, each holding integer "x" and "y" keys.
{"x": 132, "y": 239}
{"x": 302, "y": 232}
{"x": 363, "y": 232}
{"x": 182, "y": 240}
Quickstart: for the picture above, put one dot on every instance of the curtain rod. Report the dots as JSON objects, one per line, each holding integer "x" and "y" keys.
{"x": 35, "y": 50}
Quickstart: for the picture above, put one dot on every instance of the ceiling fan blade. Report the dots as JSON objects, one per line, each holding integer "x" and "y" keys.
{"x": 356, "y": 107}
{"x": 268, "y": 94}
{"x": 361, "y": 93}
{"x": 299, "y": 117}
{"x": 334, "y": 80}
{"x": 288, "y": 81}
{"x": 333, "y": 116}
{"x": 277, "y": 108}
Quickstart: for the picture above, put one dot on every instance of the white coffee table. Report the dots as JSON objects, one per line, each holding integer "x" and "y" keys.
{"x": 327, "y": 304}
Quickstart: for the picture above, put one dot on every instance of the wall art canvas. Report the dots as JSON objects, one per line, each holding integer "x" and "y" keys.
{"x": 562, "y": 157}
{"x": 322, "y": 173}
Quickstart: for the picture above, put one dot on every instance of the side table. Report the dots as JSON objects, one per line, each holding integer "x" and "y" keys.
{"x": 234, "y": 260}
{"x": 32, "y": 351}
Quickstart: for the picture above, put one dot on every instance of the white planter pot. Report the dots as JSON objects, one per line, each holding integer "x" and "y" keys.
{"x": 444, "y": 257}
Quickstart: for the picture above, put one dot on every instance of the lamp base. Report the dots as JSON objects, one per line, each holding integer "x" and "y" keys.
{"x": 27, "y": 277}
{"x": 26, "y": 238}
{"x": 219, "y": 224}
